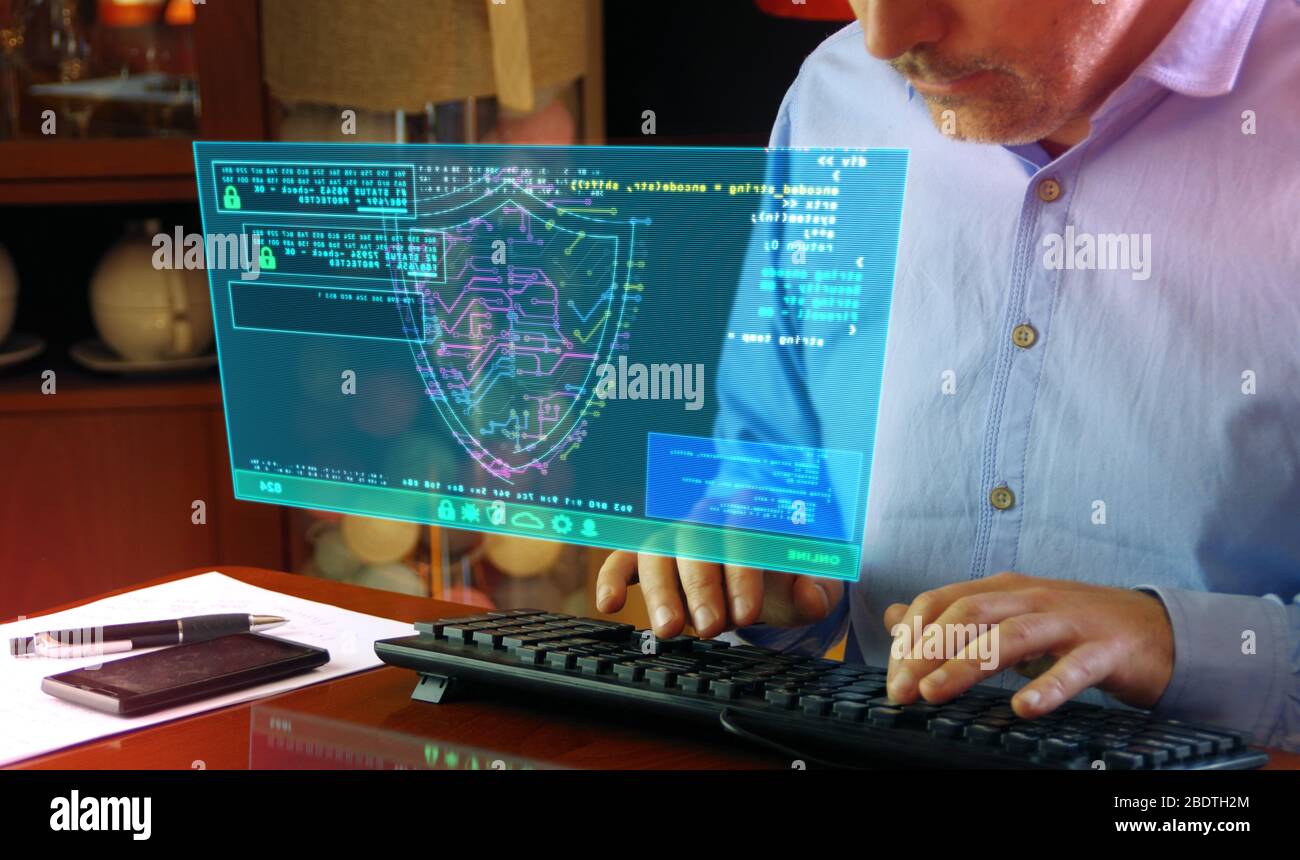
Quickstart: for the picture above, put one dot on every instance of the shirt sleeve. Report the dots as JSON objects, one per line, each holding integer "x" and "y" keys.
{"x": 813, "y": 640}
{"x": 1236, "y": 663}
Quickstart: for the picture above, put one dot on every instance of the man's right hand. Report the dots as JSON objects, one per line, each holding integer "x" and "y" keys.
{"x": 718, "y": 597}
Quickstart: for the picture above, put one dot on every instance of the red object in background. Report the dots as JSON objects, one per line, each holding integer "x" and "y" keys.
{"x": 812, "y": 10}
{"x": 128, "y": 13}
{"x": 179, "y": 13}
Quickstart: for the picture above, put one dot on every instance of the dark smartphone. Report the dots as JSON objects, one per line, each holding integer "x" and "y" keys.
{"x": 184, "y": 673}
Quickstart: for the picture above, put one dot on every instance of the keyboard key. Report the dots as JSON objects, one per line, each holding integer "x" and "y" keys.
{"x": 660, "y": 677}
{"x": 919, "y": 713}
{"x": 489, "y": 637}
{"x": 783, "y": 698}
{"x": 676, "y": 645}
{"x": 629, "y": 672}
{"x": 1060, "y": 749}
{"x": 708, "y": 644}
{"x": 984, "y": 733}
{"x": 561, "y": 660}
{"x": 1020, "y": 742}
{"x": 692, "y": 683}
{"x": 1201, "y": 745}
{"x": 943, "y": 727}
{"x": 1177, "y": 750}
{"x": 1151, "y": 755}
{"x": 815, "y": 705}
{"x": 1232, "y": 740}
{"x": 726, "y": 688}
{"x": 1122, "y": 760}
{"x": 1098, "y": 747}
{"x": 841, "y": 696}
{"x": 594, "y": 665}
{"x": 851, "y": 711}
{"x": 882, "y": 716}
{"x": 530, "y": 654}
{"x": 459, "y": 632}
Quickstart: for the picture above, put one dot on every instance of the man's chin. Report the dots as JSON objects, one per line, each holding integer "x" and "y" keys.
{"x": 967, "y": 121}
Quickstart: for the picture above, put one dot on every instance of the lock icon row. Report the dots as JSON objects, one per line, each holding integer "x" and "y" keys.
{"x": 266, "y": 259}
{"x": 447, "y": 511}
{"x": 230, "y": 200}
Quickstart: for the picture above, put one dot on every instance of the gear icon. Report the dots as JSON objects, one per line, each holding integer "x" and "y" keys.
{"x": 562, "y": 524}
{"x": 469, "y": 513}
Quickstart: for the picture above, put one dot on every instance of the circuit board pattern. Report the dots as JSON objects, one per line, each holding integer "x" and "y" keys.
{"x": 534, "y": 298}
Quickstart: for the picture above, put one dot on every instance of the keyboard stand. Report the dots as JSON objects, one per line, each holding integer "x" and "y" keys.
{"x": 434, "y": 689}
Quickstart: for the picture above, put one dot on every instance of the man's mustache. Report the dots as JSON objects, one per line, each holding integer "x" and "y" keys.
{"x": 930, "y": 68}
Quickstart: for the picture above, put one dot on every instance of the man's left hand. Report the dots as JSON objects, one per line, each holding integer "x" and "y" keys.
{"x": 1112, "y": 638}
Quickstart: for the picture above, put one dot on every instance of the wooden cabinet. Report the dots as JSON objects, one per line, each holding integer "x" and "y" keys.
{"x": 99, "y": 485}
{"x": 227, "y": 55}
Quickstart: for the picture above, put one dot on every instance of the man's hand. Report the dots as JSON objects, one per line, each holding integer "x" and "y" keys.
{"x": 1112, "y": 638}
{"x": 719, "y": 597}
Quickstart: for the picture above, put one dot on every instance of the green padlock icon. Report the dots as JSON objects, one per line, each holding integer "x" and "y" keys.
{"x": 447, "y": 511}
{"x": 266, "y": 259}
{"x": 231, "y": 199}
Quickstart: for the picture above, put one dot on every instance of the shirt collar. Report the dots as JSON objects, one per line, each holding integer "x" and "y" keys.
{"x": 1203, "y": 53}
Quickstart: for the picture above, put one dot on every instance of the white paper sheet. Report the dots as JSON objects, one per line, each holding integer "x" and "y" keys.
{"x": 32, "y": 722}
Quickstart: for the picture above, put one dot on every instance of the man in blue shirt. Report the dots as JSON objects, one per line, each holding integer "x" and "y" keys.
{"x": 1092, "y": 376}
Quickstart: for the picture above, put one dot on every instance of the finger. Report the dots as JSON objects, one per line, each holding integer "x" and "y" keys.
{"x": 659, "y": 587}
{"x": 1006, "y": 644}
{"x": 616, "y": 574}
{"x": 745, "y": 589}
{"x": 702, "y": 584}
{"x": 814, "y": 598}
{"x": 1088, "y": 665}
{"x": 959, "y": 625}
{"x": 894, "y": 616}
{"x": 929, "y": 605}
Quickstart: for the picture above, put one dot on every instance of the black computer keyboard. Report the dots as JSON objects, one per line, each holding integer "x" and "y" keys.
{"x": 817, "y": 710}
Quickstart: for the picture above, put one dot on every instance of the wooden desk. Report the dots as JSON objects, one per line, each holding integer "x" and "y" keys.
{"x": 381, "y": 698}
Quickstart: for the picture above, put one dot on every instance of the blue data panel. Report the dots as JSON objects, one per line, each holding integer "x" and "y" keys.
{"x": 571, "y": 343}
{"x": 728, "y": 482}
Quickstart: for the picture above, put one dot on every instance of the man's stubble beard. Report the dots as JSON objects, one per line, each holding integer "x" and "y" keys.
{"x": 1015, "y": 112}
{"x": 1021, "y": 106}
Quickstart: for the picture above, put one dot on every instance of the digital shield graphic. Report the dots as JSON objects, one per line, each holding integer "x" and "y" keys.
{"x": 511, "y": 303}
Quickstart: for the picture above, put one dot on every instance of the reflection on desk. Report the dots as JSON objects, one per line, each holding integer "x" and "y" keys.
{"x": 281, "y": 739}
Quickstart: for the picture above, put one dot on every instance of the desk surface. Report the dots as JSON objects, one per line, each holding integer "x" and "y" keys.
{"x": 380, "y": 698}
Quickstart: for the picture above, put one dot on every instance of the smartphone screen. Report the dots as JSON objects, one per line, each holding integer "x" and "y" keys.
{"x": 183, "y": 672}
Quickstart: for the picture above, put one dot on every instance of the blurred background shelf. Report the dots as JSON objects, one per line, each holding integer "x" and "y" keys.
{"x": 78, "y": 389}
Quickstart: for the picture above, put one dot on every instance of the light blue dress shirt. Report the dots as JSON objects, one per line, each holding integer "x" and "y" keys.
{"x": 1150, "y": 435}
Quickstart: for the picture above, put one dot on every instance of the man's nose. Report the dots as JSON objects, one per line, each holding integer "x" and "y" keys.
{"x": 894, "y": 27}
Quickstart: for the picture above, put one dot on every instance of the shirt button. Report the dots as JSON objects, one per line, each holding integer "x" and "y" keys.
{"x": 1049, "y": 190}
{"x": 1024, "y": 336}
{"x": 1002, "y": 498}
